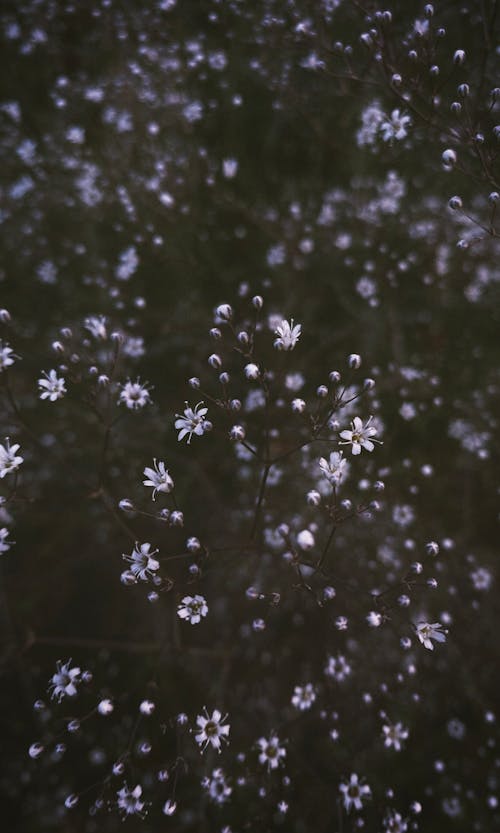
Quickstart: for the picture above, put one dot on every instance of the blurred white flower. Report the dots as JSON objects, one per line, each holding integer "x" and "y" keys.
{"x": 336, "y": 468}
{"x": 354, "y": 793}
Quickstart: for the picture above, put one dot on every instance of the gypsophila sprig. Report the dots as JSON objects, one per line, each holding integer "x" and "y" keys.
{"x": 360, "y": 436}
{"x": 143, "y": 565}
{"x": 10, "y": 460}
{"x": 158, "y": 478}
{"x": 192, "y": 421}
{"x": 427, "y": 632}
{"x": 192, "y": 609}
{"x": 65, "y": 681}
{"x": 212, "y": 730}
{"x": 288, "y": 335}
{"x": 52, "y": 387}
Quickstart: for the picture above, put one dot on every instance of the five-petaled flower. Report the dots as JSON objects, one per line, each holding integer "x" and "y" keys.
{"x": 52, "y": 387}
{"x": 64, "y": 681}
{"x": 144, "y": 566}
{"x": 360, "y": 436}
{"x": 159, "y": 478}
{"x": 288, "y": 335}
{"x": 9, "y": 459}
{"x": 426, "y": 632}
{"x": 192, "y": 609}
{"x": 354, "y": 793}
{"x": 211, "y": 729}
{"x": 270, "y": 752}
{"x": 192, "y": 422}
{"x": 129, "y": 802}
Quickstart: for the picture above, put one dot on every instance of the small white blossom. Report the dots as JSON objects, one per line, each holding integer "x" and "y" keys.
{"x": 337, "y": 668}
{"x": 288, "y": 335}
{"x": 7, "y": 356}
{"x": 193, "y": 609}
{"x": 217, "y": 786}
{"x": 394, "y": 735}
{"x": 252, "y": 371}
{"x": 359, "y": 436}
{"x": 96, "y": 325}
{"x": 426, "y": 632}
{"x": 64, "y": 681}
{"x": 394, "y": 127}
{"x": 135, "y": 395}
{"x": 9, "y": 459}
{"x": 129, "y": 802}
{"x": 336, "y": 468}
{"x": 354, "y": 793}
{"x": 305, "y": 540}
{"x": 270, "y": 752}
{"x": 211, "y": 730}
{"x": 5, "y": 545}
{"x": 192, "y": 422}
{"x": 143, "y": 564}
{"x": 303, "y": 697}
{"x": 52, "y": 387}
{"x": 158, "y": 478}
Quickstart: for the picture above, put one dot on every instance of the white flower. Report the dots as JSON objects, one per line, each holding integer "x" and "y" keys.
{"x": 212, "y": 730}
{"x": 143, "y": 564}
{"x": 192, "y": 422}
{"x": 4, "y": 544}
{"x": 336, "y": 468}
{"x": 217, "y": 787}
{"x": 354, "y": 792}
{"x": 64, "y": 681}
{"x": 270, "y": 752}
{"x": 193, "y": 609}
{"x": 96, "y": 325}
{"x": 337, "y": 668}
{"x": 6, "y": 356}
{"x": 426, "y": 632}
{"x": 129, "y": 802}
{"x": 359, "y": 436}
{"x": 394, "y": 734}
{"x": 303, "y": 697}
{"x": 394, "y": 127}
{"x": 288, "y": 335}
{"x": 134, "y": 395}
{"x": 9, "y": 462}
{"x": 158, "y": 478}
{"x": 52, "y": 387}
{"x": 252, "y": 371}
{"x": 305, "y": 540}
{"x": 394, "y": 823}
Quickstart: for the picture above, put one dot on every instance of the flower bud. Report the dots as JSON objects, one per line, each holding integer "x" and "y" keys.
{"x": 71, "y": 801}
{"x": 354, "y": 361}
{"x": 463, "y": 90}
{"x": 455, "y": 203}
{"x": 449, "y": 157}
{"x": 147, "y": 707}
{"x": 105, "y": 707}
{"x": 494, "y": 197}
{"x": 4, "y": 316}
{"x": 237, "y": 433}
{"x": 215, "y": 361}
{"x": 322, "y": 391}
{"x": 456, "y": 108}
{"x": 126, "y": 505}
{"x": 176, "y": 518}
{"x": 252, "y": 371}
{"x": 224, "y": 311}
{"x": 313, "y": 498}
{"x": 224, "y": 378}
{"x": 258, "y": 301}
{"x": 298, "y": 406}
{"x": 194, "y": 382}
{"x": 459, "y": 57}
{"x": 35, "y": 750}
{"x": 215, "y": 333}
